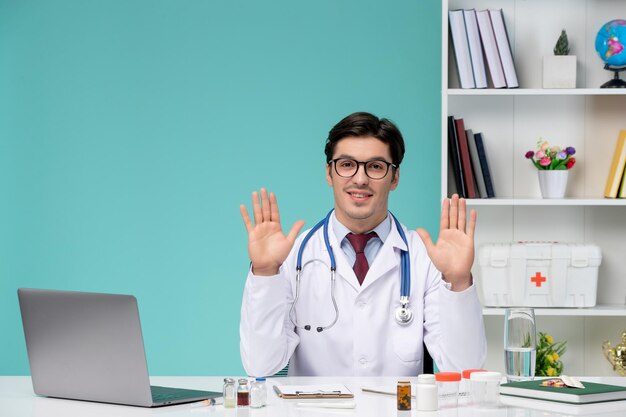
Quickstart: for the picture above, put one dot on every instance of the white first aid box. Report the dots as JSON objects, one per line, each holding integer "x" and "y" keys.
{"x": 539, "y": 274}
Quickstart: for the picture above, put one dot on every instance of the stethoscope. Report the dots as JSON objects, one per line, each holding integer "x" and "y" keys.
{"x": 403, "y": 313}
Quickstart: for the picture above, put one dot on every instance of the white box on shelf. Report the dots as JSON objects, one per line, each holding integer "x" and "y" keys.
{"x": 539, "y": 274}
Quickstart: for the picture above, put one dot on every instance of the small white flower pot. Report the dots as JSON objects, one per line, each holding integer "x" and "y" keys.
{"x": 553, "y": 183}
{"x": 559, "y": 71}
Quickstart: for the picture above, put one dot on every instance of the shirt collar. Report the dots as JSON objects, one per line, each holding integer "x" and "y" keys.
{"x": 382, "y": 230}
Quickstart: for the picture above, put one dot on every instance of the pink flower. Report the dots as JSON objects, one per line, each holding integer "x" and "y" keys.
{"x": 540, "y": 154}
{"x": 545, "y": 161}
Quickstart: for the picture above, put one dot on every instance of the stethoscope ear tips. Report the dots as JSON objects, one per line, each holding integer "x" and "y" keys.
{"x": 319, "y": 329}
{"x": 307, "y": 327}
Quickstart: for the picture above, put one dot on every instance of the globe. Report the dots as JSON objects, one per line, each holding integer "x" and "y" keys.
{"x": 610, "y": 43}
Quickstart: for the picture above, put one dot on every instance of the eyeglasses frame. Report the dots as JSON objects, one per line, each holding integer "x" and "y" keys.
{"x": 364, "y": 163}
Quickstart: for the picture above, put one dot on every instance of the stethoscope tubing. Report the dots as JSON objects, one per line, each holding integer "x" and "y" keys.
{"x": 405, "y": 267}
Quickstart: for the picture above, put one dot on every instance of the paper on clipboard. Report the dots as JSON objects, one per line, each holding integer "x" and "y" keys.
{"x": 313, "y": 391}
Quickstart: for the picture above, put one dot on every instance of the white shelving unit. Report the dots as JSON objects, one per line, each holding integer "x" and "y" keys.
{"x": 511, "y": 120}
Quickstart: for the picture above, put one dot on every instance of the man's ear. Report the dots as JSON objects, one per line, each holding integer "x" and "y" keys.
{"x": 329, "y": 175}
{"x": 396, "y": 179}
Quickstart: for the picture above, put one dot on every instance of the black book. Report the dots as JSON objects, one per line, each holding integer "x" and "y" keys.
{"x": 484, "y": 165}
{"x": 455, "y": 156}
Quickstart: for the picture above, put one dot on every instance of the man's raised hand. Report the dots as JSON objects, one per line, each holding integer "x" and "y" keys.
{"x": 268, "y": 246}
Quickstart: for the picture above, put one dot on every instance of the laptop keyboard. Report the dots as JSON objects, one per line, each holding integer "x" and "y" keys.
{"x": 162, "y": 394}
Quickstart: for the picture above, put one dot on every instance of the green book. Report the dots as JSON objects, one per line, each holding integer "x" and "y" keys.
{"x": 592, "y": 393}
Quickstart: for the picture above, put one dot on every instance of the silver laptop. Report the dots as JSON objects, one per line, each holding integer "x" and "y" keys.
{"x": 89, "y": 346}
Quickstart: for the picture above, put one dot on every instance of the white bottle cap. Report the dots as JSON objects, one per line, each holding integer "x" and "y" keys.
{"x": 426, "y": 379}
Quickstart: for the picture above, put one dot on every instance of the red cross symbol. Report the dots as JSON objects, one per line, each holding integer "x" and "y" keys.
{"x": 538, "y": 279}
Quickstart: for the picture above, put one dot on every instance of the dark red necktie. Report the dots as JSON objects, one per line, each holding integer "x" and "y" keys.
{"x": 358, "y": 242}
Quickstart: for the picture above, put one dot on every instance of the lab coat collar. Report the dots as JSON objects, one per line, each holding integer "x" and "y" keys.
{"x": 386, "y": 260}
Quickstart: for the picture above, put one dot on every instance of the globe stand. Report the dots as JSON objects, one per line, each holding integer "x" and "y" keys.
{"x": 616, "y": 82}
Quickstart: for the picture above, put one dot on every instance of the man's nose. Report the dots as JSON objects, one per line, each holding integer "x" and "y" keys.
{"x": 361, "y": 176}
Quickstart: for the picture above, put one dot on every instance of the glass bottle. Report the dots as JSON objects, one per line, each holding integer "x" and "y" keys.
{"x": 258, "y": 393}
{"x": 404, "y": 395}
{"x": 243, "y": 395}
{"x": 230, "y": 397}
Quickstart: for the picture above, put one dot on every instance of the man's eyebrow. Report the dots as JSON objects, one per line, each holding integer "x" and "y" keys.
{"x": 374, "y": 158}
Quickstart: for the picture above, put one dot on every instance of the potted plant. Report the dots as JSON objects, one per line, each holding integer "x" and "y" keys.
{"x": 553, "y": 164}
{"x": 559, "y": 70}
{"x": 549, "y": 352}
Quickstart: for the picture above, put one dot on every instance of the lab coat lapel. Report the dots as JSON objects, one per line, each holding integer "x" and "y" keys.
{"x": 387, "y": 259}
{"x": 344, "y": 269}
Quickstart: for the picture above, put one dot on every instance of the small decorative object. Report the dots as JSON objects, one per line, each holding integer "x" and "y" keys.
{"x": 549, "y": 352}
{"x": 616, "y": 355}
{"x": 559, "y": 70}
{"x": 610, "y": 47}
{"x": 552, "y": 163}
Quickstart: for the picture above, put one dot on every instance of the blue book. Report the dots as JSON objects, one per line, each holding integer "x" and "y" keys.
{"x": 484, "y": 165}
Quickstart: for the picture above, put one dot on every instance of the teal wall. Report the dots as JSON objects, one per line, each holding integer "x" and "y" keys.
{"x": 131, "y": 130}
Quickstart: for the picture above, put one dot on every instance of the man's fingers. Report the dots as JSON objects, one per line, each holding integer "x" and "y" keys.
{"x": 428, "y": 242}
{"x": 246, "y": 218}
{"x": 256, "y": 208}
{"x": 462, "y": 214}
{"x": 265, "y": 205}
{"x": 454, "y": 212}
{"x": 295, "y": 229}
{"x": 444, "y": 221}
{"x": 274, "y": 214}
{"x": 472, "y": 224}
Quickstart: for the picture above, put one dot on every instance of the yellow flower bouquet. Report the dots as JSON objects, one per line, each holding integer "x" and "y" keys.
{"x": 549, "y": 354}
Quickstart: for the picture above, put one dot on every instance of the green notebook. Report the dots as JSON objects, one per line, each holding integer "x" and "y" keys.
{"x": 592, "y": 393}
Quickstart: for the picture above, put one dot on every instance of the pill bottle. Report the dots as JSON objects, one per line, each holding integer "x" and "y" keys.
{"x": 465, "y": 386}
{"x": 258, "y": 393}
{"x": 426, "y": 395}
{"x": 403, "y": 395}
{"x": 229, "y": 392}
{"x": 448, "y": 389}
{"x": 243, "y": 394}
{"x": 485, "y": 389}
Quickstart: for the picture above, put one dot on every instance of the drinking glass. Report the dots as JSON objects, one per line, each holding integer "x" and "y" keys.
{"x": 520, "y": 344}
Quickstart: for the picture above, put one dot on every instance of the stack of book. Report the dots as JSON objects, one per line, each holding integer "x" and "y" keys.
{"x": 468, "y": 162}
{"x": 616, "y": 181}
{"x": 480, "y": 36}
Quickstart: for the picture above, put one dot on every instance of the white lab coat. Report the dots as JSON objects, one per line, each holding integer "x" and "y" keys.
{"x": 366, "y": 340}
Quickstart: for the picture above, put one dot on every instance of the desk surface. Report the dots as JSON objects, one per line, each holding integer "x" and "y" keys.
{"x": 18, "y": 400}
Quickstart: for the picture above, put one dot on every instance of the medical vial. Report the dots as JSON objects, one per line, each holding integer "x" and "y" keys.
{"x": 448, "y": 389}
{"x": 258, "y": 393}
{"x": 404, "y": 395}
{"x": 243, "y": 395}
{"x": 230, "y": 396}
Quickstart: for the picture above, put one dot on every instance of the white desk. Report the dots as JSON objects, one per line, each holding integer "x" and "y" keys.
{"x": 17, "y": 400}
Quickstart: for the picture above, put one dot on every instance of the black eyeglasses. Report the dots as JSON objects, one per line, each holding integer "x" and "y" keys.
{"x": 375, "y": 169}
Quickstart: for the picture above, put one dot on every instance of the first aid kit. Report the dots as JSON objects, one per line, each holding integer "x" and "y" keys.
{"x": 539, "y": 274}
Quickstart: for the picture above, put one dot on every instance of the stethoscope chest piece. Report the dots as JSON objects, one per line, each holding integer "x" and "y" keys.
{"x": 403, "y": 315}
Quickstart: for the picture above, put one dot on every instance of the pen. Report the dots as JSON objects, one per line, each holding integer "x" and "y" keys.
{"x": 209, "y": 402}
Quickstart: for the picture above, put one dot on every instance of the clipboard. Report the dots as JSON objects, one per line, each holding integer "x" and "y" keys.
{"x": 291, "y": 392}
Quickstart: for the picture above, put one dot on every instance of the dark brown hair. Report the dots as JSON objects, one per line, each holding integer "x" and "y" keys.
{"x": 363, "y": 124}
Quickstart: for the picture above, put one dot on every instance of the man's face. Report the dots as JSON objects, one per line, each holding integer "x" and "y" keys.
{"x": 361, "y": 202}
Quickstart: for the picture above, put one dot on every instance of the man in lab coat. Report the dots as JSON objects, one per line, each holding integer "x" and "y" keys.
{"x": 363, "y": 156}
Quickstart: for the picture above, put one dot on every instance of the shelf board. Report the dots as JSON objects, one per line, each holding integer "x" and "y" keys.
{"x": 537, "y": 92}
{"x": 546, "y": 202}
{"x": 598, "y": 311}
